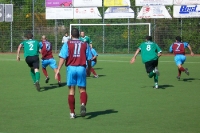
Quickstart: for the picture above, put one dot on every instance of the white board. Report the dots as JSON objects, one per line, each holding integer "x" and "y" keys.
{"x": 153, "y": 12}
{"x": 59, "y": 13}
{"x": 186, "y": 11}
{"x": 87, "y": 13}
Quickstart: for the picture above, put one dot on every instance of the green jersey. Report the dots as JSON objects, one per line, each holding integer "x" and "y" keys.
{"x": 149, "y": 51}
{"x": 85, "y": 39}
{"x": 31, "y": 47}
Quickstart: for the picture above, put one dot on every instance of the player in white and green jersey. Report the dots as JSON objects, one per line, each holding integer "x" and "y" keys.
{"x": 31, "y": 54}
{"x": 150, "y": 53}
{"x": 85, "y": 38}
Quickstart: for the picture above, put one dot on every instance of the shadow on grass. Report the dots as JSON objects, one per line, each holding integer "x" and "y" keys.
{"x": 189, "y": 79}
{"x": 91, "y": 115}
{"x": 52, "y": 86}
{"x": 164, "y": 86}
{"x": 92, "y": 76}
{"x": 98, "y": 68}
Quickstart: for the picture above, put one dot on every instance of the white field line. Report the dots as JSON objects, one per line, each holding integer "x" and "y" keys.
{"x": 3, "y": 59}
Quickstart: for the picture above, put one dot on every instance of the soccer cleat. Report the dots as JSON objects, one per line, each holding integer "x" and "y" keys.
{"x": 156, "y": 86}
{"x": 96, "y": 76}
{"x": 59, "y": 84}
{"x": 37, "y": 85}
{"x": 186, "y": 71}
{"x": 83, "y": 110}
{"x": 156, "y": 71}
{"x": 178, "y": 77}
{"x": 72, "y": 116}
{"x": 47, "y": 80}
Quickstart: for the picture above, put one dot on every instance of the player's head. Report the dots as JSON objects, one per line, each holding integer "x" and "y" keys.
{"x": 29, "y": 35}
{"x": 82, "y": 34}
{"x": 178, "y": 39}
{"x": 75, "y": 33}
{"x": 43, "y": 38}
{"x": 66, "y": 34}
{"x": 148, "y": 38}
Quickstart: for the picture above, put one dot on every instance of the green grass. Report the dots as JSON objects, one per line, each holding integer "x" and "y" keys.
{"x": 122, "y": 100}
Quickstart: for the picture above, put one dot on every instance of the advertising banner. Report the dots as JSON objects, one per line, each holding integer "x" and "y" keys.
{"x": 119, "y": 12}
{"x": 87, "y": 13}
{"x": 59, "y": 13}
{"x": 186, "y": 2}
{"x": 153, "y": 2}
{"x": 87, "y": 3}
{"x": 108, "y": 3}
{"x": 1, "y": 12}
{"x": 58, "y": 3}
{"x": 8, "y": 12}
{"x": 153, "y": 12}
{"x": 186, "y": 11}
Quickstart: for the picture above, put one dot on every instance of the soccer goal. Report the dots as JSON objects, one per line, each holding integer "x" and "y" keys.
{"x": 115, "y": 38}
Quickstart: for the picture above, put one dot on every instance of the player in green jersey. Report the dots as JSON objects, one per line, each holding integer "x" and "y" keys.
{"x": 85, "y": 38}
{"x": 31, "y": 55}
{"x": 150, "y": 53}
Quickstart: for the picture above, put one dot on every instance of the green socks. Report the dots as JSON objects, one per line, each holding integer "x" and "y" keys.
{"x": 156, "y": 78}
{"x": 151, "y": 74}
{"x": 37, "y": 76}
{"x": 33, "y": 75}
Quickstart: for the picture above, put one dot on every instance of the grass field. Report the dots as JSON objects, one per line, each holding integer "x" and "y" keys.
{"x": 121, "y": 100}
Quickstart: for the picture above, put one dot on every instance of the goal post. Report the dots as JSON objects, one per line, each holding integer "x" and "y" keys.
{"x": 126, "y": 32}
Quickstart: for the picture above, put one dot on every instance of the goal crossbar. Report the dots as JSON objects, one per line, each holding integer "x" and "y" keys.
{"x": 149, "y": 24}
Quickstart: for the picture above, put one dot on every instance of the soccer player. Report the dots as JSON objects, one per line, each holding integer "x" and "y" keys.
{"x": 31, "y": 54}
{"x": 47, "y": 59}
{"x": 178, "y": 48}
{"x": 65, "y": 38}
{"x": 85, "y": 38}
{"x": 76, "y": 52}
{"x": 150, "y": 53}
{"x": 94, "y": 61}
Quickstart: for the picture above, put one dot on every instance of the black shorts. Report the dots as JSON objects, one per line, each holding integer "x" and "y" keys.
{"x": 33, "y": 61}
{"x": 150, "y": 65}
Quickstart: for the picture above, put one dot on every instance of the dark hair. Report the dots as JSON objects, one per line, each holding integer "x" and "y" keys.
{"x": 178, "y": 38}
{"x": 75, "y": 33}
{"x": 29, "y": 35}
{"x": 149, "y": 38}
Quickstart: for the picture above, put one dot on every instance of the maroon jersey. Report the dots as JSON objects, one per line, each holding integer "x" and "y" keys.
{"x": 178, "y": 48}
{"x": 76, "y": 53}
{"x": 46, "y": 50}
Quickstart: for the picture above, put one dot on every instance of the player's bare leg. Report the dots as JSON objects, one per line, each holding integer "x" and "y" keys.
{"x": 182, "y": 69}
{"x": 94, "y": 72}
{"x": 37, "y": 79}
{"x": 58, "y": 78}
{"x": 46, "y": 75}
{"x": 83, "y": 100}
{"x": 71, "y": 101}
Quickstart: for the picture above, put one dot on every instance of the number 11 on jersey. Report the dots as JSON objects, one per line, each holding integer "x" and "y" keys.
{"x": 77, "y": 47}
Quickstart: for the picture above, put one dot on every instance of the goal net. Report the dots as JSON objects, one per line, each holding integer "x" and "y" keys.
{"x": 115, "y": 38}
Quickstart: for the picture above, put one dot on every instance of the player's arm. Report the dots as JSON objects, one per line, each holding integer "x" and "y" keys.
{"x": 190, "y": 48}
{"x": 40, "y": 47}
{"x": 170, "y": 49}
{"x": 18, "y": 52}
{"x": 94, "y": 53}
{"x": 159, "y": 51}
{"x": 62, "y": 55}
{"x": 135, "y": 55}
{"x": 89, "y": 58}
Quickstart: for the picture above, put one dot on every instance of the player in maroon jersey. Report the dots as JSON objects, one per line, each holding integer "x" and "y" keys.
{"x": 178, "y": 48}
{"x": 47, "y": 59}
{"x": 76, "y": 53}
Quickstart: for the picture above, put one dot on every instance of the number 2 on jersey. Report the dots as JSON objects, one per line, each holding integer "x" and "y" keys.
{"x": 178, "y": 46}
{"x": 77, "y": 48}
{"x": 30, "y": 46}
